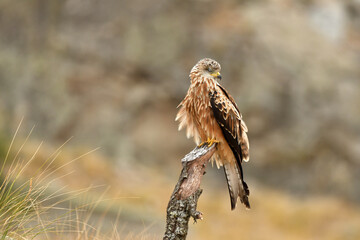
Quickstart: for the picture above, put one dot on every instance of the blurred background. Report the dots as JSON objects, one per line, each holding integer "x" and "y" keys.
{"x": 110, "y": 74}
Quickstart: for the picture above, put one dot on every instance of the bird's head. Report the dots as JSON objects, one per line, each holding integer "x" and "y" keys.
{"x": 207, "y": 67}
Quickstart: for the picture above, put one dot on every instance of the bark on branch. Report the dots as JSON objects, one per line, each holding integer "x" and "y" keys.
{"x": 183, "y": 201}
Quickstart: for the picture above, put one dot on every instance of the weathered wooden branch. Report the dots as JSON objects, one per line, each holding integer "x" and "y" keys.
{"x": 183, "y": 201}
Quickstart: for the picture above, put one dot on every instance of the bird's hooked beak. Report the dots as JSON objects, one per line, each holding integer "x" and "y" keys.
{"x": 216, "y": 75}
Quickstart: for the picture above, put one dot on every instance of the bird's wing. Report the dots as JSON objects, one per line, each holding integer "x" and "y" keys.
{"x": 234, "y": 129}
{"x": 230, "y": 121}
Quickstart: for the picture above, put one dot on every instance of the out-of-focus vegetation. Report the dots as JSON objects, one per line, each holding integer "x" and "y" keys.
{"x": 111, "y": 73}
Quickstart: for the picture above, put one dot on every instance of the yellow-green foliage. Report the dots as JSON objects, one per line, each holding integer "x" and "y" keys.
{"x": 20, "y": 202}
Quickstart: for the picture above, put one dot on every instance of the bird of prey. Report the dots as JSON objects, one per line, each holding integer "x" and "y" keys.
{"x": 211, "y": 115}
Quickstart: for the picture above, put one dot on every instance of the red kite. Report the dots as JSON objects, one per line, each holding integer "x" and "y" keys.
{"x": 211, "y": 115}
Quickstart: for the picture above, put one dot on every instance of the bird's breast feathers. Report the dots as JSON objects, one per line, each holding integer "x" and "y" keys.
{"x": 195, "y": 110}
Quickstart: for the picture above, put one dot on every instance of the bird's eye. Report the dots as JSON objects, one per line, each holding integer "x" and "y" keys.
{"x": 210, "y": 69}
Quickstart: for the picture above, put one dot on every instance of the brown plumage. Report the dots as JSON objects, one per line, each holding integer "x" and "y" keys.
{"x": 208, "y": 111}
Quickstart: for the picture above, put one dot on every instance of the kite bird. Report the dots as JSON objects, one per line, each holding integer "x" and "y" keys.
{"x": 211, "y": 116}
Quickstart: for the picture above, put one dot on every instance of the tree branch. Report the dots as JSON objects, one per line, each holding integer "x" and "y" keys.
{"x": 183, "y": 201}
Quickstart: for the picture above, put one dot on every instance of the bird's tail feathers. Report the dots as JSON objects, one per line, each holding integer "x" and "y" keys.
{"x": 237, "y": 187}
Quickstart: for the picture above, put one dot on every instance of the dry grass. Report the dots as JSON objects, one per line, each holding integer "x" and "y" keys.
{"x": 33, "y": 205}
{"x": 54, "y": 194}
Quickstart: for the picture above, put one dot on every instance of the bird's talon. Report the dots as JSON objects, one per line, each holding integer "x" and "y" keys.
{"x": 210, "y": 142}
